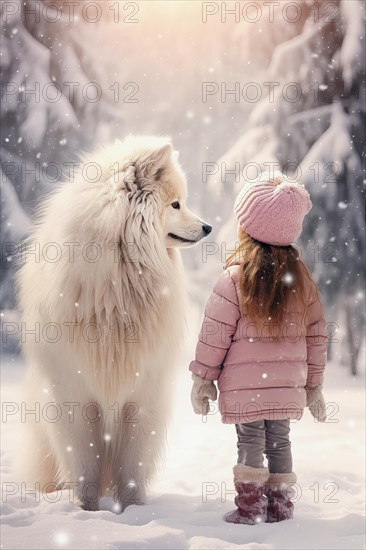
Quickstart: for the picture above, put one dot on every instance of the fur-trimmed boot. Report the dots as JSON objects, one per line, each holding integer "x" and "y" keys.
{"x": 250, "y": 500}
{"x": 279, "y": 491}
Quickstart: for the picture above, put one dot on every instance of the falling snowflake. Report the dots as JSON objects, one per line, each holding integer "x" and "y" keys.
{"x": 288, "y": 278}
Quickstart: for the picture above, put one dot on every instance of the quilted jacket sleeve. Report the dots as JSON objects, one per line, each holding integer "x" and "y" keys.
{"x": 218, "y": 327}
{"x": 316, "y": 342}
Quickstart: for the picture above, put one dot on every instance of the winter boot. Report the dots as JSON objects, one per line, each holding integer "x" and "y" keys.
{"x": 279, "y": 492}
{"x": 250, "y": 500}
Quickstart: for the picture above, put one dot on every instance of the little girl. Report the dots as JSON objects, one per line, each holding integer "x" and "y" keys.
{"x": 264, "y": 339}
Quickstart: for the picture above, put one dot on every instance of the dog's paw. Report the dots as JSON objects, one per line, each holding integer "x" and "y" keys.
{"x": 89, "y": 505}
{"x": 129, "y": 495}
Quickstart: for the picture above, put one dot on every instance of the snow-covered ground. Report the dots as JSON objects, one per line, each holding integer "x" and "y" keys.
{"x": 193, "y": 488}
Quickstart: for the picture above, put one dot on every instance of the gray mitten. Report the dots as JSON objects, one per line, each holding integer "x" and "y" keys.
{"x": 202, "y": 391}
{"x": 316, "y": 403}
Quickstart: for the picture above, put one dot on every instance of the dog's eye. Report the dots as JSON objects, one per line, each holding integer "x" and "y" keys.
{"x": 175, "y": 205}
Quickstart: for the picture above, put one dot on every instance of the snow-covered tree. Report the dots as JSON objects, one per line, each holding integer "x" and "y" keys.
{"x": 48, "y": 67}
{"x": 310, "y": 123}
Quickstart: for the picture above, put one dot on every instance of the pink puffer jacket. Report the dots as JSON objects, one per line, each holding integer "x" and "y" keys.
{"x": 259, "y": 377}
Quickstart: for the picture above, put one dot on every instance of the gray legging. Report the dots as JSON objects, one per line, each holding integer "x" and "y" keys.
{"x": 265, "y": 436}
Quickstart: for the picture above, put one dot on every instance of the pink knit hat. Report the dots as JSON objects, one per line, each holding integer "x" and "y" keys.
{"x": 271, "y": 210}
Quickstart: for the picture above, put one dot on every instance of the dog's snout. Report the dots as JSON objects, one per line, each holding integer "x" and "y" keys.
{"x": 207, "y": 228}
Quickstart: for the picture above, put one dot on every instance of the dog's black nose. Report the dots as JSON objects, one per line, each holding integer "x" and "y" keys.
{"x": 207, "y": 228}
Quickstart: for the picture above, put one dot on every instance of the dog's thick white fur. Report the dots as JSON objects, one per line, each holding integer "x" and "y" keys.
{"x": 103, "y": 288}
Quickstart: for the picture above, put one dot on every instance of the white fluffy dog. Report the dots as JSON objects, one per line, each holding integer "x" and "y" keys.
{"x": 103, "y": 290}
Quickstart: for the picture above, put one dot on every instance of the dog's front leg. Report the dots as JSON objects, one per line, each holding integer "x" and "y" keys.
{"x": 141, "y": 435}
{"x": 129, "y": 466}
{"x": 79, "y": 445}
{"x": 141, "y": 432}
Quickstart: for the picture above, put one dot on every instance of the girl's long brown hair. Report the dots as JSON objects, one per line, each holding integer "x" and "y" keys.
{"x": 270, "y": 277}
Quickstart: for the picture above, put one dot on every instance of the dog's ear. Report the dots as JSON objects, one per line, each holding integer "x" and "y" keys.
{"x": 162, "y": 154}
{"x": 151, "y": 164}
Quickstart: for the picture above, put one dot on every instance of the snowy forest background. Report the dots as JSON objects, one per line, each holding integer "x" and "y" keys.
{"x": 153, "y": 63}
